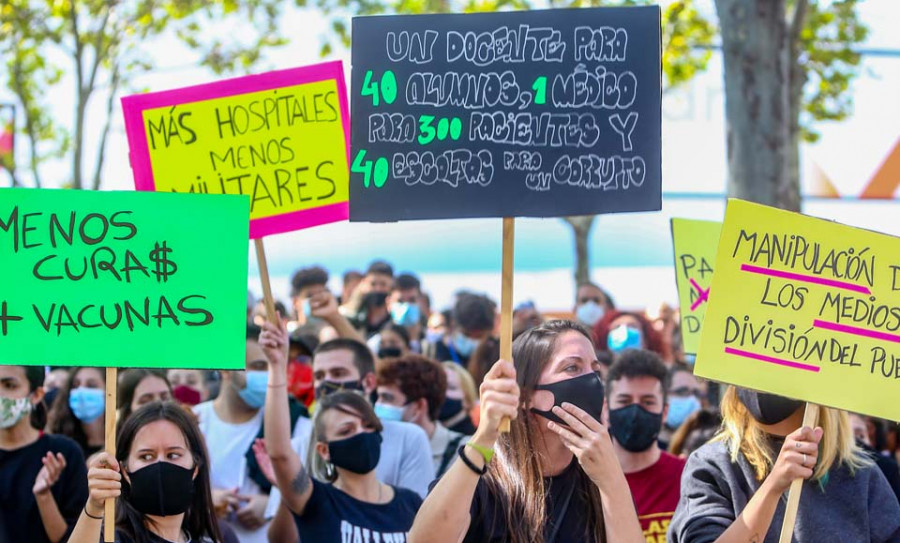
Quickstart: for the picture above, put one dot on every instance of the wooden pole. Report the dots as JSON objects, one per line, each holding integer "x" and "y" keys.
{"x": 112, "y": 377}
{"x": 506, "y": 294}
{"x": 810, "y": 419}
{"x": 264, "y": 278}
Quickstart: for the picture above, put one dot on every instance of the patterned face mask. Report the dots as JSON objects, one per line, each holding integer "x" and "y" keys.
{"x": 13, "y": 410}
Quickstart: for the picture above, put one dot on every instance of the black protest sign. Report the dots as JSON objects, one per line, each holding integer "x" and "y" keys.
{"x": 538, "y": 113}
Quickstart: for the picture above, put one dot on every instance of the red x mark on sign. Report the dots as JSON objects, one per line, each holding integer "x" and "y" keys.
{"x": 703, "y": 295}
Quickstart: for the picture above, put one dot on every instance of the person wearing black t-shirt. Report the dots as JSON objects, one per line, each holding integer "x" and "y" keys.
{"x": 353, "y": 505}
{"x": 42, "y": 477}
{"x": 556, "y": 481}
{"x": 159, "y": 479}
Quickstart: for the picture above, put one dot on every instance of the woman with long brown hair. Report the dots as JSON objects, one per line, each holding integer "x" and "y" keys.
{"x": 546, "y": 481}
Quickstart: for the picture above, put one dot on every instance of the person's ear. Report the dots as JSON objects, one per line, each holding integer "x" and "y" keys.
{"x": 322, "y": 449}
{"x": 37, "y": 396}
{"x": 369, "y": 383}
{"x": 421, "y": 409}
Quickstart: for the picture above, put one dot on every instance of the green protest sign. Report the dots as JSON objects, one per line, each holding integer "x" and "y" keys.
{"x": 122, "y": 279}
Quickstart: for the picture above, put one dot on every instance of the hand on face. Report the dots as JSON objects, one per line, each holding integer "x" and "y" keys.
{"x": 797, "y": 459}
{"x": 588, "y": 440}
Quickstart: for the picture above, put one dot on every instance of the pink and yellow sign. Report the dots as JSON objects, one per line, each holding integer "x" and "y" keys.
{"x": 282, "y": 138}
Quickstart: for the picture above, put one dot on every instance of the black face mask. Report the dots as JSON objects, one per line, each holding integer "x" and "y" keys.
{"x": 327, "y": 387}
{"x": 375, "y": 299}
{"x": 585, "y": 391}
{"x": 160, "y": 489}
{"x": 767, "y": 408}
{"x": 634, "y": 428}
{"x": 450, "y": 408}
{"x": 389, "y": 352}
{"x": 359, "y": 454}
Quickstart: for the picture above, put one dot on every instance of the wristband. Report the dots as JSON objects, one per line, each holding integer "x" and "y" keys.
{"x": 469, "y": 463}
{"x": 90, "y": 515}
{"x": 486, "y": 452}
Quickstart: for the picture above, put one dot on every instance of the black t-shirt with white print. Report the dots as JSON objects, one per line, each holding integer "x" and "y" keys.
{"x": 333, "y": 516}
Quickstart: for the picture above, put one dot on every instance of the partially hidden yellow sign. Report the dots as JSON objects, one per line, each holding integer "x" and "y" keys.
{"x": 695, "y": 244}
{"x": 805, "y": 308}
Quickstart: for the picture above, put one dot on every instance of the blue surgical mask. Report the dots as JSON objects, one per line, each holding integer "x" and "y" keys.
{"x": 388, "y": 412}
{"x": 87, "y": 403}
{"x": 405, "y": 314}
{"x": 254, "y": 392}
{"x": 680, "y": 409}
{"x": 589, "y": 313}
{"x": 464, "y": 345}
{"x": 624, "y": 337}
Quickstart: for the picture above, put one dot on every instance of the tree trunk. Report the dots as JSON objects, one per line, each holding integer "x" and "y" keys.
{"x": 789, "y": 195}
{"x": 756, "y": 51}
{"x": 581, "y": 229}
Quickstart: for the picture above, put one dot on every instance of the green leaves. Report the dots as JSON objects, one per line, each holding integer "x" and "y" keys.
{"x": 96, "y": 37}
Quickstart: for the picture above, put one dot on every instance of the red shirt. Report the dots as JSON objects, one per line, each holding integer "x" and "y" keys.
{"x": 656, "y": 491}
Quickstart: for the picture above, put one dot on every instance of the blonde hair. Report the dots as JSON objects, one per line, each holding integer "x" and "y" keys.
{"x": 466, "y": 383}
{"x": 742, "y": 434}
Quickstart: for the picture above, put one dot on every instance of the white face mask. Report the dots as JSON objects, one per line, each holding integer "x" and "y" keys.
{"x": 589, "y": 313}
{"x": 13, "y": 410}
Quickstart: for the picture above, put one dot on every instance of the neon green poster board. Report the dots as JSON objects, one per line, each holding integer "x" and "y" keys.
{"x": 695, "y": 244}
{"x": 122, "y": 279}
{"x": 805, "y": 308}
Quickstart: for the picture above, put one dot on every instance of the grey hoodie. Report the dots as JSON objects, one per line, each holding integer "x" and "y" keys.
{"x": 856, "y": 508}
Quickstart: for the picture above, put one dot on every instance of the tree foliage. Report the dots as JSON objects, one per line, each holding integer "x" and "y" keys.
{"x": 103, "y": 45}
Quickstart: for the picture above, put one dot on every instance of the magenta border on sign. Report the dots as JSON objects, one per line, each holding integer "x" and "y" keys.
{"x": 139, "y": 153}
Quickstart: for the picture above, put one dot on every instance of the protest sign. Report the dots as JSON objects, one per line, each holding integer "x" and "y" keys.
{"x": 805, "y": 308}
{"x": 695, "y": 244}
{"x": 279, "y": 137}
{"x": 122, "y": 279}
{"x": 534, "y": 113}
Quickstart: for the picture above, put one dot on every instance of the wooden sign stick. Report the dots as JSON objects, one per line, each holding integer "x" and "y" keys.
{"x": 810, "y": 419}
{"x": 506, "y": 294}
{"x": 264, "y": 278}
{"x": 109, "y": 516}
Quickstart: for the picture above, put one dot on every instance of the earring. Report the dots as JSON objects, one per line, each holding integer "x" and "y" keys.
{"x": 329, "y": 470}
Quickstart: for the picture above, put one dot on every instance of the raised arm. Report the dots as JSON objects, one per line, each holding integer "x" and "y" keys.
{"x": 324, "y": 306}
{"x": 445, "y": 514}
{"x": 293, "y": 478}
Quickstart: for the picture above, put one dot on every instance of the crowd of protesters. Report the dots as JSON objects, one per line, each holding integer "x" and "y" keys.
{"x": 370, "y": 416}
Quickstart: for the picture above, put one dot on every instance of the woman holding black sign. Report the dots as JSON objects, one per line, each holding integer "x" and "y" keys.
{"x": 732, "y": 487}
{"x": 545, "y": 481}
{"x": 42, "y": 476}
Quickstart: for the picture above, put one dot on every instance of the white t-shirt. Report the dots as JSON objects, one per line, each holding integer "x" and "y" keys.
{"x": 227, "y": 444}
{"x": 405, "y": 458}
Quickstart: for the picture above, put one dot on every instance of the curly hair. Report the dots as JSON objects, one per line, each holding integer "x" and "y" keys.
{"x": 652, "y": 340}
{"x": 417, "y": 377}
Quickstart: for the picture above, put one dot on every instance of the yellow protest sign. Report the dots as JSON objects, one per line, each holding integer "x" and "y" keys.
{"x": 695, "y": 245}
{"x": 805, "y": 308}
{"x": 280, "y": 138}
